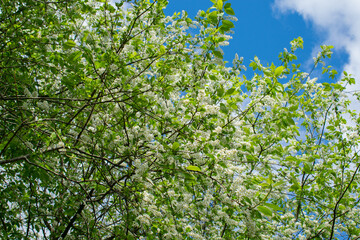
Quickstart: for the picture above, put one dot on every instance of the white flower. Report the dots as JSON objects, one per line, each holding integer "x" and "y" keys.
{"x": 91, "y": 129}
{"x": 148, "y": 197}
{"x": 225, "y": 43}
{"x": 61, "y": 147}
{"x": 144, "y": 219}
{"x": 353, "y": 135}
{"x": 35, "y": 94}
{"x": 29, "y": 145}
{"x": 218, "y": 129}
{"x": 43, "y": 105}
{"x": 101, "y": 71}
{"x": 27, "y": 92}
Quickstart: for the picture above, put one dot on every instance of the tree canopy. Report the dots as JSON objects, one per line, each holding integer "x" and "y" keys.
{"x": 119, "y": 122}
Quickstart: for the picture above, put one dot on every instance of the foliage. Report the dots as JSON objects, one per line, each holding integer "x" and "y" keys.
{"x": 118, "y": 122}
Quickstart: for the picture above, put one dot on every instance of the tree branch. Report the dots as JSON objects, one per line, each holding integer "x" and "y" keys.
{"x": 73, "y": 219}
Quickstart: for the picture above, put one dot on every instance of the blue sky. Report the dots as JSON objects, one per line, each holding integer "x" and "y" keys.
{"x": 263, "y": 30}
{"x": 265, "y": 27}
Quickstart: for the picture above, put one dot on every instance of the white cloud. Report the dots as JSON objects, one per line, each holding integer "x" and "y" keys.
{"x": 339, "y": 20}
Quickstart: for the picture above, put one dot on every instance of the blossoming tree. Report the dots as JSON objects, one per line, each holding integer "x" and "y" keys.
{"x": 117, "y": 122}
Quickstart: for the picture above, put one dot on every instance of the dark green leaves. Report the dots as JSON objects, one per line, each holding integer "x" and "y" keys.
{"x": 213, "y": 17}
{"x": 220, "y": 91}
{"x": 228, "y": 9}
{"x": 230, "y": 91}
{"x": 227, "y": 25}
{"x": 218, "y": 54}
{"x": 75, "y": 56}
{"x": 69, "y": 44}
{"x": 223, "y": 108}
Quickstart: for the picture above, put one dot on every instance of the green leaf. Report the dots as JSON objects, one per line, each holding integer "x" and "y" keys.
{"x": 327, "y": 86}
{"x": 352, "y": 81}
{"x": 307, "y": 168}
{"x": 162, "y": 49}
{"x": 264, "y": 184}
{"x": 253, "y": 65}
{"x": 220, "y": 91}
{"x": 193, "y": 168}
{"x": 175, "y": 146}
{"x": 219, "y": 4}
{"x": 264, "y": 210}
{"x": 218, "y": 54}
{"x": 228, "y": 9}
{"x": 290, "y": 121}
{"x": 293, "y": 108}
{"x": 222, "y": 164}
{"x": 223, "y": 108}
{"x": 69, "y": 44}
{"x": 274, "y": 207}
{"x": 295, "y": 186}
{"x": 187, "y": 176}
{"x": 291, "y": 158}
{"x": 227, "y": 24}
{"x": 75, "y": 56}
{"x": 213, "y": 17}
{"x": 279, "y": 183}
{"x": 247, "y": 199}
{"x": 230, "y": 91}
{"x": 279, "y": 70}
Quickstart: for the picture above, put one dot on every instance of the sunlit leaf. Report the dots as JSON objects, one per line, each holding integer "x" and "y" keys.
{"x": 193, "y": 168}
{"x": 69, "y": 44}
{"x": 264, "y": 210}
{"x": 279, "y": 70}
{"x": 175, "y": 146}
